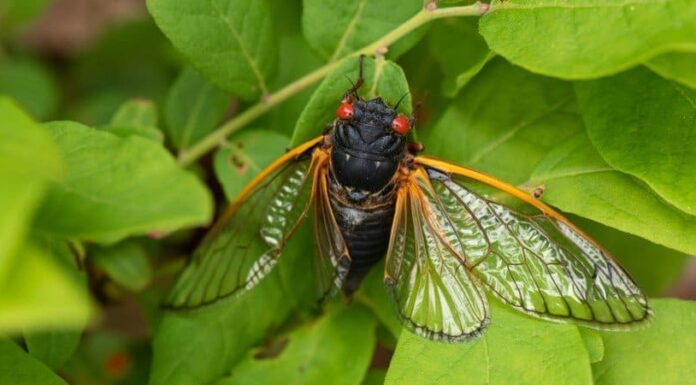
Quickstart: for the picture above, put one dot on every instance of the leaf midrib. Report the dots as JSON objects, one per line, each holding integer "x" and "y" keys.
{"x": 242, "y": 47}
{"x": 349, "y": 29}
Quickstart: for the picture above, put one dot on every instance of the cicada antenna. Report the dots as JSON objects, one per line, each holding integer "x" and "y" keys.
{"x": 352, "y": 93}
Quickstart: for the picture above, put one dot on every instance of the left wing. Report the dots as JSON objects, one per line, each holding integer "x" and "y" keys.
{"x": 528, "y": 255}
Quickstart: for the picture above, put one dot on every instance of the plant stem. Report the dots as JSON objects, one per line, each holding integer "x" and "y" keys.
{"x": 426, "y": 15}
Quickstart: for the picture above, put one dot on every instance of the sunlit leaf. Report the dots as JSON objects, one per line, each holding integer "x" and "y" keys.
{"x": 644, "y": 125}
{"x": 116, "y": 187}
{"x": 585, "y": 39}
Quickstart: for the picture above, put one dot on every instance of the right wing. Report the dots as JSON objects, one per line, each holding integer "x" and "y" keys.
{"x": 434, "y": 291}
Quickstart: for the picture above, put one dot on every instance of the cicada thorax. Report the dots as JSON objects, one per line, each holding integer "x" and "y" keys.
{"x": 366, "y": 154}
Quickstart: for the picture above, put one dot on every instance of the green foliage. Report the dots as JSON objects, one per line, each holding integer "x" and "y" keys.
{"x": 118, "y": 187}
{"x": 592, "y": 38}
{"x": 591, "y": 101}
{"x": 230, "y": 41}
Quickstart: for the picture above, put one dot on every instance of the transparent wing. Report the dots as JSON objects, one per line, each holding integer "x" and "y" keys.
{"x": 247, "y": 241}
{"x": 529, "y": 256}
{"x": 434, "y": 291}
{"x": 332, "y": 260}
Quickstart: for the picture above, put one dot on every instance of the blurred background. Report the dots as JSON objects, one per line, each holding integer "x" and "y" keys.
{"x": 81, "y": 60}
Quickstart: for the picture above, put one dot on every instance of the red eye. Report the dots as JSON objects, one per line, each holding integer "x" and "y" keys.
{"x": 345, "y": 111}
{"x": 401, "y": 125}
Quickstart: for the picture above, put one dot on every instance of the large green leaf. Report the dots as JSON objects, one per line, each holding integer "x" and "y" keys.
{"x": 37, "y": 294}
{"x": 19, "y": 368}
{"x": 31, "y": 84}
{"x": 515, "y": 349}
{"x": 244, "y": 156}
{"x": 645, "y": 126}
{"x": 194, "y": 108}
{"x": 118, "y": 187}
{"x": 230, "y": 41}
{"x": 504, "y": 122}
{"x": 678, "y": 66}
{"x": 28, "y": 160}
{"x": 374, "y": 295}
{"x": 660, "y": 354}
{"x": 195, "y": 348}
{"x": 337, "y": 346}
{"x": 588, "y": 38}
{"x": 383, "y": 78}
{"x": 460, "y": 51}
{"x": 336, "y": 28}
{"x": 578, "y": 181}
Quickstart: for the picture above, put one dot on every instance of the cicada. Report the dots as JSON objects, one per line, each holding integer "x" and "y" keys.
{"x": 449, "y": 235}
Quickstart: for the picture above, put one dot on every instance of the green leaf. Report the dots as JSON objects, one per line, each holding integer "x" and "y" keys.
{"x": 578, "y": 181}
{"x": 460, "y": 51}
{"x": 504, "y": 122}
{"x": 118, "y": 187}
{"x": 126, "y": 263}
{"x": 645, "y": 126}
{"x": 136, "y": 117}
{"x": 593, "y": 343}
{"x": 53, "y": 348}
{"x": 194, "y": 108}
{"x": 677, "y": 66}
{"x": 196, "y": 348}
{"x": 19, "y": 368}
{"x": 244, "y": 156}
{"x": 231, "y": 42}
{"x": 655, "y": 268}
{"x": 28, "y": 160}
{"x": 515, "y": 349}
{"x": 660, "y": 354}
{"x": 38, "y": 295}
{"x": 31, "y": 84}
{"x": 590, "y": 38}
{"x": 335, "y": 28}
{"x": 337, "y": 346}
{"x": 383, "y": 78}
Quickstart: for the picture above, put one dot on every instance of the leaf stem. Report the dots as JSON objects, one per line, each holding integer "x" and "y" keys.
{"x": 216, "y": 137}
